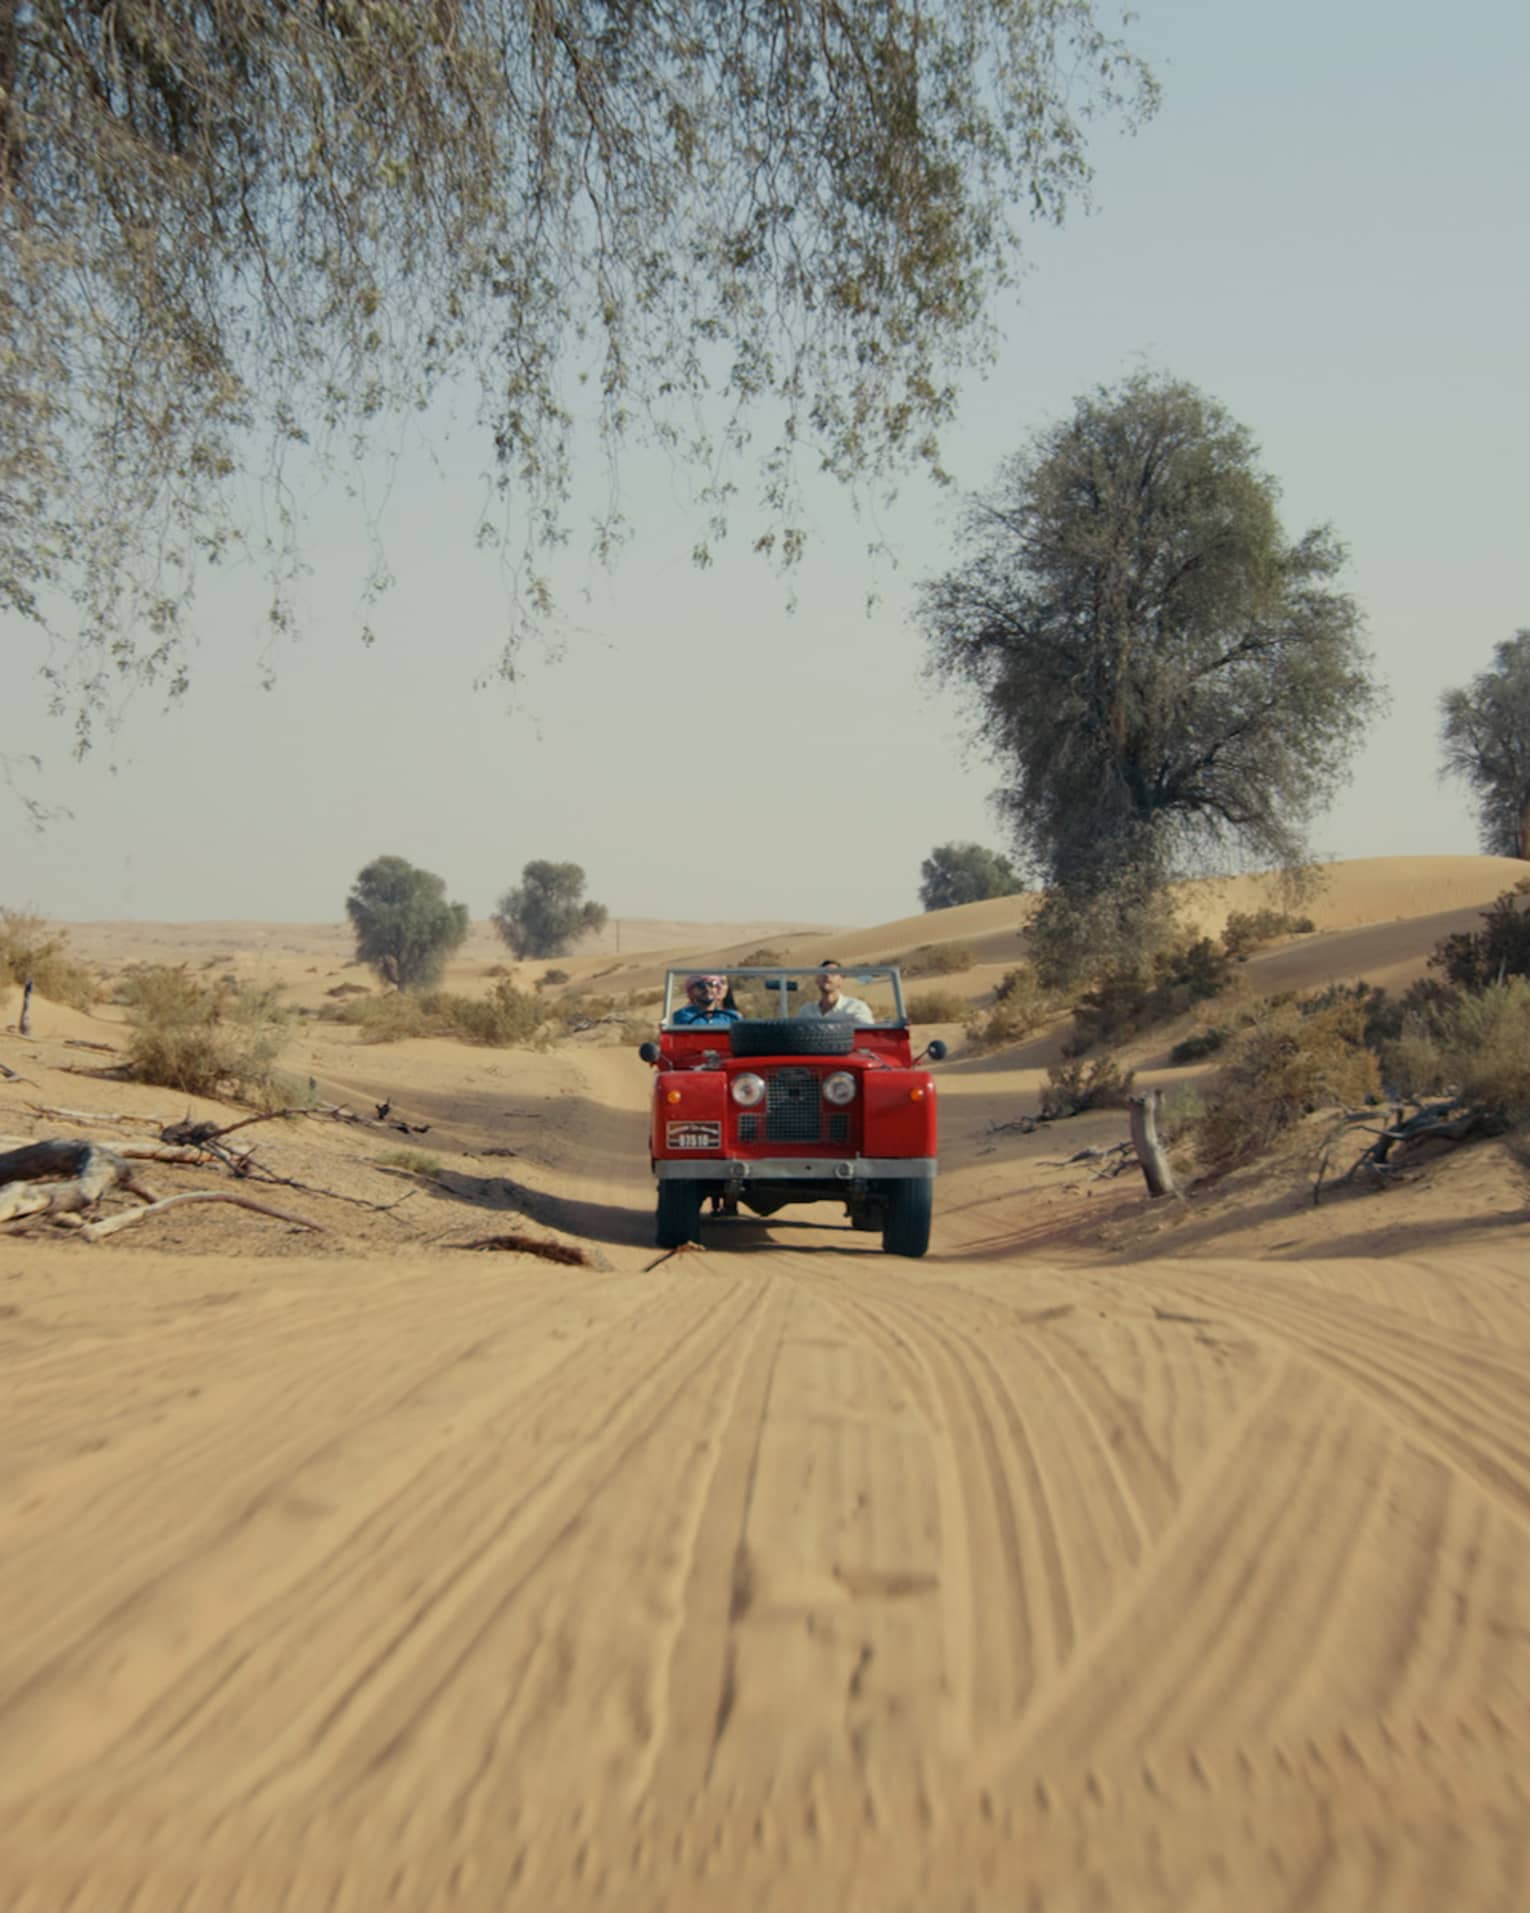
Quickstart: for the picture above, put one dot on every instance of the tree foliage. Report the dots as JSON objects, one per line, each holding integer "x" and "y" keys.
{"x": 1472, "y": 959}
{"x": 964, "y": 873}
{"x": 1485, "y": 734}
{"x": 227, "y": 226}
{"x": 405, "y": 928}
{"x": 1164, "y": 677}
{"x": 547, "y": 912}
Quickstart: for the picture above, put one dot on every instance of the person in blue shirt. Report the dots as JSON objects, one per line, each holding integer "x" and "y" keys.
{"x": 706, "y": 1004}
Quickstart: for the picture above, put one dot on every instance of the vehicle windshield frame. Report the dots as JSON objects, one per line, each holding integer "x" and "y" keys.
{"x": 791, "y": 1001}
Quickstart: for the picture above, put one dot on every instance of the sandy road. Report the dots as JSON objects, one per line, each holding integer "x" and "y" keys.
{"x": 780, "y": 1576}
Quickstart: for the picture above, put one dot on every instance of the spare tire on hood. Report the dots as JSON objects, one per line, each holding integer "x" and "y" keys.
{"x": 794, "y": 1036}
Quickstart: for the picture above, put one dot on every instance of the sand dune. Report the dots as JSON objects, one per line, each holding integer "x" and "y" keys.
{"x": 1105, "y": 1559}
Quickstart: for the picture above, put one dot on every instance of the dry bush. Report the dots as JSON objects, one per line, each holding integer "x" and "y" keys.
{"x": 1473, "y": 959}
{"x": 1127, "y": 1001}
{"x": 937, "y": 959}
{"x": 548, "y": 980}
{"x": 413, "y": 1161}
{"x": 205, "y": 1039}
{"x": 759, "y": 960}
{"x": 1249, "y": 930}
{"x": 1290, "y": 1061}
{"x": 1074, "y": 1086}
{"x": 1200, "y": 1043}
{"x": 1484, "y": 1040}
{"x": 936, "y": 1006}
{"x": 29, "y": 949}
{"x": 1020, "y": 1007}
{"x": 506, "y": 1018}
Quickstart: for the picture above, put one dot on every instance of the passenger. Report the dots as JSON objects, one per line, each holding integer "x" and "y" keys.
{"x": 708, "y": 1004}
{"x": 832, "y": 1000}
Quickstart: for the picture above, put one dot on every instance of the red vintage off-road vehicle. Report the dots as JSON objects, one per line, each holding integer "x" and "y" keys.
{"x": 788, "y": 1104}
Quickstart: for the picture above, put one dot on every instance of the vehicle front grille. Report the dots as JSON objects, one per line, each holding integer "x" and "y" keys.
{"x": 793, "y": 1106}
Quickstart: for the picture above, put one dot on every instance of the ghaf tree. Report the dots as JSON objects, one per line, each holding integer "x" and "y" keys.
{"x": 1165, "y": 678}
{"x": 405, "y": 928}
{"x": 1485, "y": 732}
{"x": 547, "y": 911}
{"x": 230, "y": 227}
{"x": 964, "y": 873}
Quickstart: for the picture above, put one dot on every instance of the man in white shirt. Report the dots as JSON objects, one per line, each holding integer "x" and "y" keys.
{"x": 832, "y": 1000}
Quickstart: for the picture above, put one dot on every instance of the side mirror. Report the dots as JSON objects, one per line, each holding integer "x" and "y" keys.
{"x": 649, "y": 1052}
{"x": 934, "y": 1049}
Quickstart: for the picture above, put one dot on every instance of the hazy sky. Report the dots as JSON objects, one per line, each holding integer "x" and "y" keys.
{"x": 1325, "y": 228}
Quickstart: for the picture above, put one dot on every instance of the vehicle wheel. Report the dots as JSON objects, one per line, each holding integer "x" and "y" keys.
{"x": 679, "y": 1217}
{"x": 793, "y": 1036}
{"x": 910, "y": 1203}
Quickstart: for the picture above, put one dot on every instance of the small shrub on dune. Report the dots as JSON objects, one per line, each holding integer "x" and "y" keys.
{"x": 1199, "y": 1044}
{"x": 205, "y": 1039}
{"x": 1249, "y": 930}
{"x": 1074, "y": 1086}
{"x": 1126, "y": 1001}
{"x": 937, "y": 959}
{"x": 28, "y": 948}
{"x": 1484, "y": 1043}
{"x": 548, "y": 980}
{"x": 1500, "y": 949}
{"x": 1020, "y": 1007}
{"x": 759, "y": 960}
{"x": 1286, "y": 1065}
{"x": 937, "y": 1006}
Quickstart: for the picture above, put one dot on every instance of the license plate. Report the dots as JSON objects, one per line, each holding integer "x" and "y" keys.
{"x": 694, "y": 1135}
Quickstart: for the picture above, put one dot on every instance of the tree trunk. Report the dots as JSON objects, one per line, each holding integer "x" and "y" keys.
{"x": 1524, "y": 829}
{"x": 24, "y": 1027}
{"x": 1143, "y": 1115}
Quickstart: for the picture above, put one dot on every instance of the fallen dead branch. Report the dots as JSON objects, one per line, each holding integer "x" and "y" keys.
{"x": 1449, "y": 1120}
{"x": 61, "y": 1177}
{"x": 532, "y": 1245}
{"x": 90, "y": 1116}
{"x": 109, "y": 1225}
{"x": 79, "y": 1042}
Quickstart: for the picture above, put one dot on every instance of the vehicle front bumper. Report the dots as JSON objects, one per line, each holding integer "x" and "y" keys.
{"x": 846, "y": 1170}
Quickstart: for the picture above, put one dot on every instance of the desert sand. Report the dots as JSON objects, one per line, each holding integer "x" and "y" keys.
{"x": 1116, "y": 1556}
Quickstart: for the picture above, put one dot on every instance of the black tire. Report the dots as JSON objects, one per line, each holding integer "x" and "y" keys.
{"x": 793, "y": 1036}
{"x": 679, "y": 1216}
{"x": 909, "y": 1205}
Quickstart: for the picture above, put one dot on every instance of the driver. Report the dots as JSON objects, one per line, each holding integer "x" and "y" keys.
{"x": 832, "y": 1000}
{"x": 706, "y": 1003}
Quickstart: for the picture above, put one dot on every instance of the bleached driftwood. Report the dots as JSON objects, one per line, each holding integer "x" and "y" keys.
{"x": 109, "y": 1225}
{"x": 57, "y": 1178}
{"x": 1142, "y": 1117}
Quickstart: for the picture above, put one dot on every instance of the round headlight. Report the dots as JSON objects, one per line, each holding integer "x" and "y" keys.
{"x": 839, "y": 1088}
{"x": 748, "y": 1090}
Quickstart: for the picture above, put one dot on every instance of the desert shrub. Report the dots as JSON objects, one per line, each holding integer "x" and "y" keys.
{"x": 760, "y": 960}
{"x": 506, "y": 1018}
{"x": 349, "y": 989}
{"x": 1290, "y": 1061}
{"x": 1501, "y": 948}
{"x": 387, "y": 1019}
{"x": 1074, "y": 1086}
{"x": 413, "y": 1161}
{"x": 1249, "y": 930}
{"x": 1020, "y": 1008}
{"x": 1200, "y": 1043}
{"x": 28, "y": 948}
{"x": 937, "y": 959}
{"x": 549, "y": 979}
{"x": 204, "y": 1039}
{"x": 936, "y": 1006}
{"x": 1484, "y": 1043}
{"x": 1131, "y": 999}
{"x": 1180, "y": 1110}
